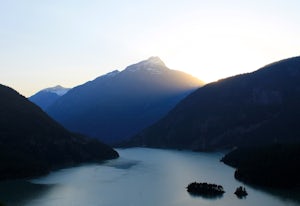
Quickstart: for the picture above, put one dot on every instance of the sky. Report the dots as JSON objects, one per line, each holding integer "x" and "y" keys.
{"x": 69, "y": 42}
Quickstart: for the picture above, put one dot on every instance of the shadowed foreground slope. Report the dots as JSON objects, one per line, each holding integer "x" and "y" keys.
{"x": 31, "y": 143}
{"x": 275, "y": 165}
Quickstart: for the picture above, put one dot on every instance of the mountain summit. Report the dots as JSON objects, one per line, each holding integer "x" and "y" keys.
{"x": 59, "y": 90}
{"x": 152, "y": 64}
{"x": 257, "y": 108}
{"x": 48, "y": 96}
{"x": 117, "y": 105}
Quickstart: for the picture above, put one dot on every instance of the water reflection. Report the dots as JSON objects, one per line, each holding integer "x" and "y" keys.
{"x": 140, "y": 177}
{"x": 20, "y": 192}
{"x": 287, "y": 195}
{"x": 121, "y": 163}
{"x": 207, "y": 196}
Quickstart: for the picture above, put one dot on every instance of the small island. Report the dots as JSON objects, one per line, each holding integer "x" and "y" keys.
{"x": 205, "y": 189}
{"x": 241, "y": 192}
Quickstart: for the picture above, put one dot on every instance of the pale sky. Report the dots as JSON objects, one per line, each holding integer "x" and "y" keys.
{"x": 44, "y": 43}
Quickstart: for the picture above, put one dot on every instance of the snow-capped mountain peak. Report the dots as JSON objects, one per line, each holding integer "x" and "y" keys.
{"x": 154, "y": 64}
{"x": 59, "y": 90}
{"x": 156, "y": 60}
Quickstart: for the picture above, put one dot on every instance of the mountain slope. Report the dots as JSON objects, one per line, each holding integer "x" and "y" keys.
{"x": 48, "y": 96}
{"x": 275, "y": 165}
{"x": 115, "y": 106}
{"x": 31, "y": 143}
{"x": 249, "y": 109}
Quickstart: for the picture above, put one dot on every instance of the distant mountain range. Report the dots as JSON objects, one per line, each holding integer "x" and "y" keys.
{"x": 117, "y": 105}
{"x": 258, "y": 108}
{"x": 31, "y": 143}
{"x": 48, "y": 96}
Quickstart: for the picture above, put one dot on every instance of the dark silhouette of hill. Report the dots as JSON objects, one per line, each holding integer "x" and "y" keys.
{"x": 117, "y": 105}
{"x": 48, "y": 96}
{"x": 31, "y": 143}
{"x": 256, "y": 108}
{"x": 274, "y": 165}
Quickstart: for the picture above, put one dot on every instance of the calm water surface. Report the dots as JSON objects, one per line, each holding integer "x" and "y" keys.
{"x": 148, "y": 177}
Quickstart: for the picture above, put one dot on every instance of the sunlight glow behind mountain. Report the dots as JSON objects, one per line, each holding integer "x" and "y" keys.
{"x": 70, "y": 42}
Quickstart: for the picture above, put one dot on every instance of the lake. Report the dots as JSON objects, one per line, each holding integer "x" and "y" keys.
{"x": 147, "y": 177}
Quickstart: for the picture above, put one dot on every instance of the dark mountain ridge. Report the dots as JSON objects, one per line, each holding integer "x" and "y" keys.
{"x": 257, "y": 108}
{"x": 275, "y": 165}
{"x": 115, "y": 106}
{"x": 31, "y": 143}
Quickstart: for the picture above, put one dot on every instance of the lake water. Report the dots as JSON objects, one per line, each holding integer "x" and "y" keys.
{"x": 140, "y": 177}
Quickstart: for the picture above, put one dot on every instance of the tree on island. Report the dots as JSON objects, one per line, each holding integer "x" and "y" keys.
{"x": 205, "y": 189}
{"x": 241, "y": 192}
